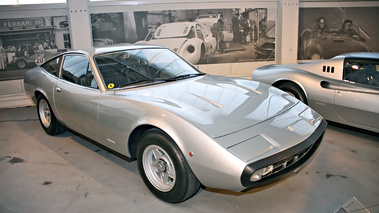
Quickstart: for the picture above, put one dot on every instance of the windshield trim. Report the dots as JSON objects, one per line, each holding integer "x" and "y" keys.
{"x": 137, "y": 67}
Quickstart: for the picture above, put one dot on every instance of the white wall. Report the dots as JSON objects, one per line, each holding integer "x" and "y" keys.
{"x": 284, "y": 11}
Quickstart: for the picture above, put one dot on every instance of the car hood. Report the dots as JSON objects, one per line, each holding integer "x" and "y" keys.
{"x": 217, "y": 105}
{"x": 173, "y": 44}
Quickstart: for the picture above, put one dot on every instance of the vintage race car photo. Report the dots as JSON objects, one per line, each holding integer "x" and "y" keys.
{"x": 330, "y": 44}
{"x": 25, "y": 61}
{"x": 264, "y": 48}
{"x": 191, "y": 40}
{"x": 208, "y": 18}
{"x": 343, "y": 89}
{"x": 22, "y": 62}
{"x": 185, "y": 128}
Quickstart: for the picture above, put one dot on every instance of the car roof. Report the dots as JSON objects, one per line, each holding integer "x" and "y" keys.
{"x": 363, "y": 55}
{"x": 113, "y": 48}
{"x": 207, "y": 16}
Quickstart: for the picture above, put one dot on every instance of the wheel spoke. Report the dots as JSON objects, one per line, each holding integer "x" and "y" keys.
{"x": 165, "y": 178}
{"x": 159, "y": 168}
{"x": 156, "y": 154}
{"x": 45, "y": 113}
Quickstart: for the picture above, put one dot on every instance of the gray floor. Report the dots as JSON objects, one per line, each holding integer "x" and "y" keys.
{"x": 66, "y": 173}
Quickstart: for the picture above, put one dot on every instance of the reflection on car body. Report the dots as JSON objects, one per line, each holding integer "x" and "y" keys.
{"x": 184, "y": 127}
{"x": 343, "y": 89}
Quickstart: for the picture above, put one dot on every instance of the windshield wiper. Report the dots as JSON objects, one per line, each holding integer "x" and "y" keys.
{"x": 138, "y": 82}
{"x": 179, "y": 77}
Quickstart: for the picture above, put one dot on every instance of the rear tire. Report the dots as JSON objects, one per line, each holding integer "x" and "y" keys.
{"x": 164, "y": 169}
{"x": 47, "y": 118}
{"x": 294, "y": 90}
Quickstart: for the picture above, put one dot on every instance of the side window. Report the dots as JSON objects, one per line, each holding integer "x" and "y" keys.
{"x": 52, "y": 66}
{"x": 191, "y": 33}
{"x": 362, "y": 71}
{"x": 76, "y": 69}
{"x": 199, "y": 32}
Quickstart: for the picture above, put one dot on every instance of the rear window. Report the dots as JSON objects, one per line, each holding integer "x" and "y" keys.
{"x": 52, "y": 66}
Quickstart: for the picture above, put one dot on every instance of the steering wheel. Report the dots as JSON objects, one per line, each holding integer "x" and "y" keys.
{"x": 133, "y": 75}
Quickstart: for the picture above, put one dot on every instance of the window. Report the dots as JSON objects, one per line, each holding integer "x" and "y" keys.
{"x": 66, "y": 41}
{"x": 141, "y": 66}
{"x": 76, "y": 70}
{"x": 199, "y": 32}
{"x": 362, "y": 71}
{"x": 52, "y": 66}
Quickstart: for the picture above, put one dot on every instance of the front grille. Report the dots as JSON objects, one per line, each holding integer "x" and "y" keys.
{"x": 284, "y": 163}
{"x": 287, "y": 162}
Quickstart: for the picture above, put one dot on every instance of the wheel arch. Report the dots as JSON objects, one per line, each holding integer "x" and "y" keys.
{"x": 36, "y": 94}
{"x": 195, "y": 56}
{"x": 135, "y": 136}
{"x": 296, "y": 83}
{"x": 39, "y": 92}
{"x": 168, "y": 130}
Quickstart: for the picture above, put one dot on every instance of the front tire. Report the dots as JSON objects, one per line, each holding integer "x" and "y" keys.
{"x": 47, "y": 118}
{"x": 21, "y": 64}
{"x": 164, "y": 169}
{"x": 294, "y": 90}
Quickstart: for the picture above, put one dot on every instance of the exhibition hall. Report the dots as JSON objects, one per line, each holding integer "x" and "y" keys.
{"x": 189, "y": 106}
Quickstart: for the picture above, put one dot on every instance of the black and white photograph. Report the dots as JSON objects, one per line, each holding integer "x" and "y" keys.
{"x": 189, "y": 106}
{"x": 28, "y": 42}
{"x": 201, "y": 36}
{"x": 327, "y": 32}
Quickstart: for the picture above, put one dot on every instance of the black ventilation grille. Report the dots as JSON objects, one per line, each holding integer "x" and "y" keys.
{"x": 328, "y": 69}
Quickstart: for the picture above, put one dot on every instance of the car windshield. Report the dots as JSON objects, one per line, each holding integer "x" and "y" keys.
{"x": 175, "y": 30}
{"x": 142, "y": 66}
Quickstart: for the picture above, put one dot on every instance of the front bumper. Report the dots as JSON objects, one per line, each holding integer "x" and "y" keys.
{"x": 286, "y": 162}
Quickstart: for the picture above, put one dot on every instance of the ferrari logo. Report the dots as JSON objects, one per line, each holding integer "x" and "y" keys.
{"x": 110, "y": 86}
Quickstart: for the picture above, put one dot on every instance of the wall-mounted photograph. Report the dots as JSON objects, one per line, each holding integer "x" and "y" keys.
{"x": 327, "y": 32}
{"x": 201, "y": 36}
{"x": 27, "y": 42}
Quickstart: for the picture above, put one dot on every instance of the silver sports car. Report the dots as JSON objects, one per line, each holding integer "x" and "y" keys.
{"x": 184, "y": 127}
{"x": 343, "y": 89}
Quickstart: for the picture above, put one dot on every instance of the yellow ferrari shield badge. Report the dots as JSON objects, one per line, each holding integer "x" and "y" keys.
{"x": 110, "y": 86}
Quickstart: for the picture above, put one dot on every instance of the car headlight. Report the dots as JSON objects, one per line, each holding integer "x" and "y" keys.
{"x": 257, "y": 175}
{"x": 310, "y": 116}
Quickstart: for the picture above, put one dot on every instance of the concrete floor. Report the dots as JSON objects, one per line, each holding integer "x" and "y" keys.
{"x": 66, "y": 173}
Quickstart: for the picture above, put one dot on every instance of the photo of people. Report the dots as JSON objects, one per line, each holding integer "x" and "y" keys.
{"x": 202, "y": 36}
{"x": 27, "y": 42}
{"x": 327, "y": 32}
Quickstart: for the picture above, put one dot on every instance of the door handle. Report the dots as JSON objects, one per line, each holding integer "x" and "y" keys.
{"x": 58, "y": 89}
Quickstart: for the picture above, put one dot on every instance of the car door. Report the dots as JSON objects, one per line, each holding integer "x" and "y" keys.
{"x": 357, "y": 97}
{"x": 76, "y": 96}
